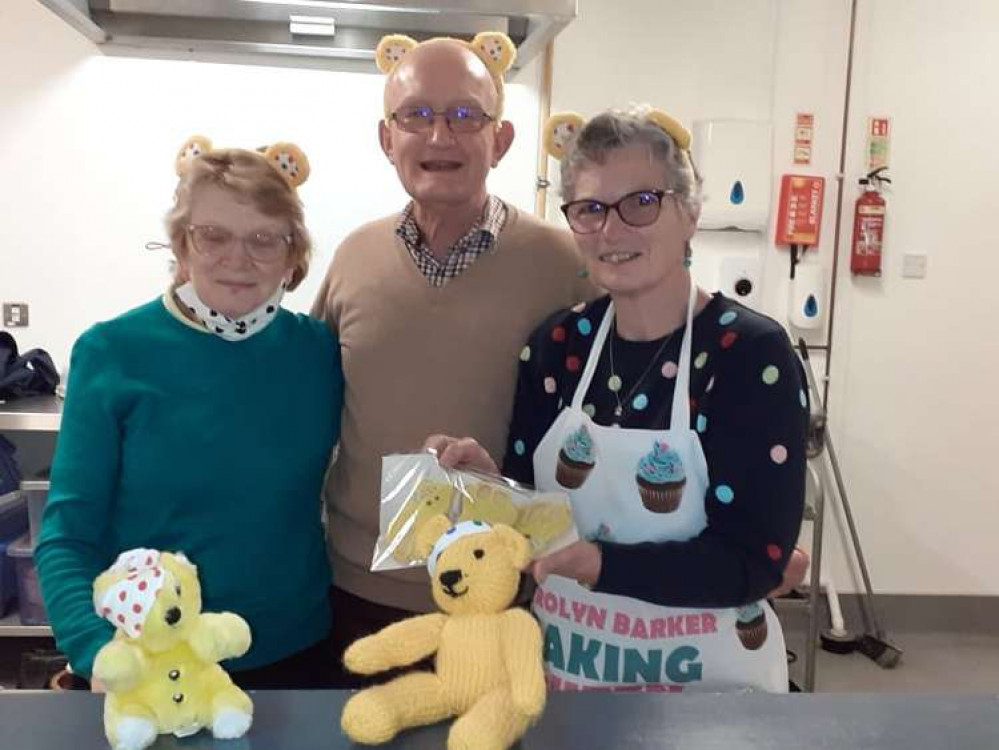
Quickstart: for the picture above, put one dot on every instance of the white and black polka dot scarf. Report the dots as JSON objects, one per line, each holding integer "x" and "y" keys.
{"x": 231, "y": 329}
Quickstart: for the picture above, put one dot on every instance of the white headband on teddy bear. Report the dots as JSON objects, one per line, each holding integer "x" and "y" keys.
{"x": 452, "y": 535}
{"x": 126, "y": 603}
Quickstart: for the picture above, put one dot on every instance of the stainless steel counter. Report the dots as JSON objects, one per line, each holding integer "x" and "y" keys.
{"x": 573, "y": 721}
{"x": 35, "y": 414}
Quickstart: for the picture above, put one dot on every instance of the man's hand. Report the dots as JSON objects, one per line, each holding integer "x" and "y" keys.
{"x": 461, "y": 453}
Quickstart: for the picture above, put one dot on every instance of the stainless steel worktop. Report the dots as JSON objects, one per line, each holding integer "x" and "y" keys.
{"x": 35, "y": 414}
{"x": 573, "y": 721}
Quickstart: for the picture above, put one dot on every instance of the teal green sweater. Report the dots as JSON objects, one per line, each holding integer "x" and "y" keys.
{"x": 178, "y": 440}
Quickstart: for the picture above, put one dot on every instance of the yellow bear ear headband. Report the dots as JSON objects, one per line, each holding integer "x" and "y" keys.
{"x": 494, "y": 48}
{"x": 287, "y": 158}
{"x": 562, "y": 128}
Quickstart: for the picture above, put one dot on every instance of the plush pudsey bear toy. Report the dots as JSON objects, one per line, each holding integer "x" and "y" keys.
{"x": 161, "y": 669}
{"x": 488, "y": 657}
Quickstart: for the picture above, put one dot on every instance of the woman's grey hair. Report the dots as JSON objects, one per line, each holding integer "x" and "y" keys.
{"x": 617, "y": 129}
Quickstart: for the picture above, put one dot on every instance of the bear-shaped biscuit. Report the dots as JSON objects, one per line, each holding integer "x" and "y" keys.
{"x": 491, "y": 503}
{"x": 430, "y": 498}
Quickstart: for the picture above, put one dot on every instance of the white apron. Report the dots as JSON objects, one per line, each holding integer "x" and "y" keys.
{"x": 599, "y": 641}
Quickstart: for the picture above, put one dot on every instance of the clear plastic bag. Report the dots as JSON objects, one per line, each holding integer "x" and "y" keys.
{"x": 415, "y": 488}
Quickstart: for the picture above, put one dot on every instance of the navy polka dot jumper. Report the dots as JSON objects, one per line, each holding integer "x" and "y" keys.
{"x": 750, "y": 412}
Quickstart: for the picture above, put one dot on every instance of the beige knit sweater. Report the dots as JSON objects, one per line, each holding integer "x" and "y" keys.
{"x": 420, "y": 360}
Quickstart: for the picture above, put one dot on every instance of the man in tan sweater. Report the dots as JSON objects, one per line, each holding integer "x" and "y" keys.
{"x": 432, "y": 307}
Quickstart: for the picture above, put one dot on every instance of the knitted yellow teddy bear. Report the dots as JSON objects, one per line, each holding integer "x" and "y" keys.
{"x": 488, "y": 657}
{"x": 161, "y": 668}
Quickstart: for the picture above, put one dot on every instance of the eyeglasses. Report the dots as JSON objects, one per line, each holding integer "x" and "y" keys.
{"x": 214, "y": 242}
{"x": 460, "y": 119}
{"x": 638, "y": 209}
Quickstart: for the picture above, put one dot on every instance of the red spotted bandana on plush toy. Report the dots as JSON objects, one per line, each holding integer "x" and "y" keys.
{"x": 161, "y": 669}
{"x": 126, "y": 603}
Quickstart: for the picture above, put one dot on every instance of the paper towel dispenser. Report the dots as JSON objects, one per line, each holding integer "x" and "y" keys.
{"x": 734, "y": 158}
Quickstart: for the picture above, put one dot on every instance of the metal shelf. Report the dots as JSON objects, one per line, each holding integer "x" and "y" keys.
{"x": 11, "y": 627}
{"x": 35, "y": 414}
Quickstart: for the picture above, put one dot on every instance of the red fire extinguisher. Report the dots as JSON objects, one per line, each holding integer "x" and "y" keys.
{"x": 868, "y": 226}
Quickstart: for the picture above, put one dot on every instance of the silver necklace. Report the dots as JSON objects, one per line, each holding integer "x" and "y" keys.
{"x": 619, "y": 409}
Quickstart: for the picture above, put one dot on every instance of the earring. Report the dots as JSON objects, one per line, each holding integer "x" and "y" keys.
{"x": 688, "y": 256}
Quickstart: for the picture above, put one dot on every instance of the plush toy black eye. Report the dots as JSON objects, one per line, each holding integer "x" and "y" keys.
{"x": 479, "y": 554}
{"x": 177, "y": 589}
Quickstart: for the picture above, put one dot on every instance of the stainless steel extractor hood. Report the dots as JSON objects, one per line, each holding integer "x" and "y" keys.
{"x": 326, "y": 34}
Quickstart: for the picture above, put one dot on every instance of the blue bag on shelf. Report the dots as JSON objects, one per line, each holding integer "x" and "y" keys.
{"x": 10, "y": 472}
{"x": 30, "y": 374}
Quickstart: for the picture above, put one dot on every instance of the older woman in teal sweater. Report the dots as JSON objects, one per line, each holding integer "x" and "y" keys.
{"x": 203, "y": 422}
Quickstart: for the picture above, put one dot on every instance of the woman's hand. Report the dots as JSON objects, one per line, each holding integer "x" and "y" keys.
{"x": 794, "y": 573}
{"x": 461, "y": 453}
{"x": 579, "y": 561}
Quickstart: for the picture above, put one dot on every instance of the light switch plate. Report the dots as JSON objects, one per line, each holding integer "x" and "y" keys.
{"x": 15, "y": 314}
{"x": 914, "y": 266}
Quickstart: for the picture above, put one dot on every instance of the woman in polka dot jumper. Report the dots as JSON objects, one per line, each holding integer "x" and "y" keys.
{"x": 202, "y": 422}
{"x": 697, "y": 415}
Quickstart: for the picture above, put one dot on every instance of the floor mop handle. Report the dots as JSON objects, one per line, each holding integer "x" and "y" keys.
{"x": 867, "y": 607}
